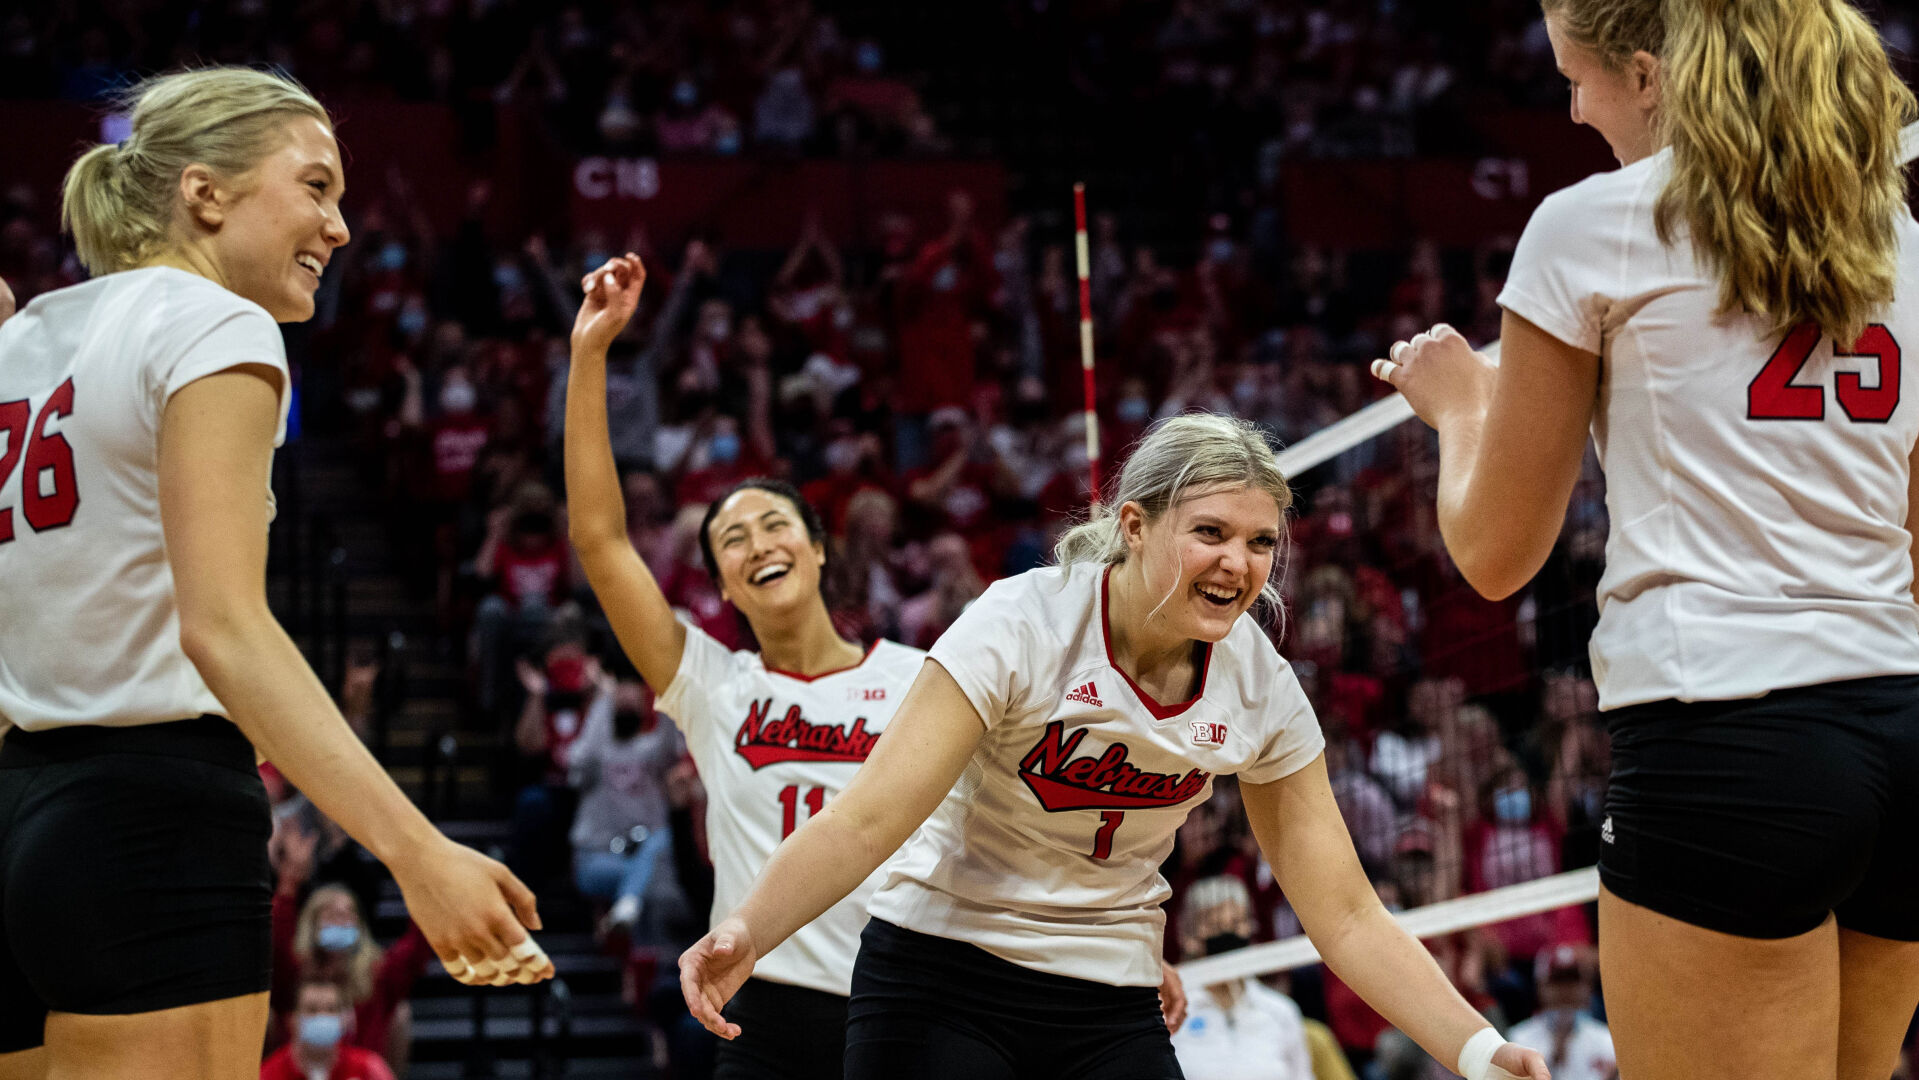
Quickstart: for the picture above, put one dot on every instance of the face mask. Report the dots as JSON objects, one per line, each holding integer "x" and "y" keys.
{"x": 412, "y": 320}
{"x": 1134, "y": 410}
{"x": 727, "y": 143}
{"x": 1221, "y": 943}
{"x": 457, "y": 398}
{"x": 724, "y": 449}
{"x": 626, "y": 723}
{"x": 1220, "y": 251}
{"x": 842, "y": 455}
{"x": 507, "y": 277}
{"x": 868, "y": 57}
{"x": 393, "y": 256}
{"x": 322, "y": 1030}
{"x": 1514, "y": 806}
{"x": 685, "y": 93}
{"x": 596, "y": 259}
{"x": 337, "y": 938}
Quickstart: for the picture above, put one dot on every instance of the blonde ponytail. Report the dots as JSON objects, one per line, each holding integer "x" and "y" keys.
{"x": 1784, "y": 119}
{"x": 117, "y": 201}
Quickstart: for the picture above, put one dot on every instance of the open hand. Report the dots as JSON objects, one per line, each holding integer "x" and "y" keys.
{"x": 612, "y": 294}
{"x": 1172, "y": 997}
{"x": 1520, "y": 1063}
{"x": 713, "y": 970}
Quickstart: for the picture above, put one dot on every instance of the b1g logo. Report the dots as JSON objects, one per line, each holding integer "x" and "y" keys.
{"x": 1208, "y": 733}
{"x": 866, "y": 693}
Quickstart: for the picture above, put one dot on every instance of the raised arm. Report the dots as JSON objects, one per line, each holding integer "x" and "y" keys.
{"x": 216, "y": 446}
{"x": 1511, "y": 439}
{"x": 596, "y": 509}
{"x": 1299, "y": 828}
{"x": 913, "y": 766}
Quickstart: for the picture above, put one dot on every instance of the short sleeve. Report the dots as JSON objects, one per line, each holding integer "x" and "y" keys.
{"x": 704, "y": 665}
{"x": 1291, "y": 738}
{"x": 990, "y": 651}
{"x": 226, "y": 333}
{"x": 1566, "y": 269}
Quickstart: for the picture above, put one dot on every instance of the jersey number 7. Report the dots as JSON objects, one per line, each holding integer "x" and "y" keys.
{"x": 1772, "y": 395}
{"x": 45, "y": 454}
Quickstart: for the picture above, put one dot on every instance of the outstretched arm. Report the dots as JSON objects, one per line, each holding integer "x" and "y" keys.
{"x": 1304, "y": 839}
{"x": 913, "y": 766}
{"x": 216, "y": 447}
{"x": 596, "y": 509}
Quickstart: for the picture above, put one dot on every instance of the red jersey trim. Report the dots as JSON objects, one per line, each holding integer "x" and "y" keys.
{"x": 1160, "y": 712}
{"x": 836, "y": 671}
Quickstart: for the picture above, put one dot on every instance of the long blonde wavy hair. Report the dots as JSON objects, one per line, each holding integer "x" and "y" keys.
{"x": 355, "y": 973}
{"x": 1784, "y": 119}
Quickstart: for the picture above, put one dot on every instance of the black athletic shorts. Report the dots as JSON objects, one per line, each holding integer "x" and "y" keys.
{"x": 786, "y": 1033}
{"x": 936, "y": 1009}
{"x": 133, "y": 872}
{"x": 1760, "y": 817}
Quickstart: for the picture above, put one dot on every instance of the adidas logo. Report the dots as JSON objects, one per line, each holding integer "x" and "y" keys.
{"x": 1605, "y": 830}
{"x": 1086, "y": 695}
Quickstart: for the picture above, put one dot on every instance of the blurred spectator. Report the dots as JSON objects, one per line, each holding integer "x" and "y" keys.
{"x": 1577, "y": 1046}
{"x": 526, "y": 558}
{"x": 621, "y": 837}
{"x": 329, "y": 939}
{"x": 322, "y": 1046}
{"x": 1242, "y": 1028}
{"x": 565, "y": 691}
{"x": 1401, "y": 756}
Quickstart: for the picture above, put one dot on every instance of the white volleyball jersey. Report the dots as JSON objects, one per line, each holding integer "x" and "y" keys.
{"x": 89, "y": 633}
{"x": 1262, "y": 1037}
{"x": 1047, "y": 852}
{"x": 772, "y": 748}
{"x": 1757, "y": 484}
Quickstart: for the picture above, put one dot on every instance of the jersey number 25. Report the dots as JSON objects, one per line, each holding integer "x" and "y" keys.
{"x": 1772, "y": 395}
{"x": 45, "y": 454}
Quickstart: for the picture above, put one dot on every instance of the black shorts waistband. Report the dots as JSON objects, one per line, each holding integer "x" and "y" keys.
{"x": 212, "y": 739}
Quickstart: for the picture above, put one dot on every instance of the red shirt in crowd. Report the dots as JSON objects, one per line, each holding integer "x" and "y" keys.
{"x": 939, "y": 296}
{"x": 352, "y": 1063}
{"x": 455, "y": 443}
{"x": 532, "y": 573}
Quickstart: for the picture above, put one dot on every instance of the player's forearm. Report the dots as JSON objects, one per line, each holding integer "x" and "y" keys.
{"x": 1472, "y": 530}
{"x": 815, "y": 868}
{"x": 273, "y": 696}
{"x": 1395, "y": 975}
{"x": 596, "y": 510}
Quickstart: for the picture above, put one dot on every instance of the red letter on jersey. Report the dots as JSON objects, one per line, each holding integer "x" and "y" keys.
{"x": 1772, "y": 394}
{"x": 1871, "y": 404}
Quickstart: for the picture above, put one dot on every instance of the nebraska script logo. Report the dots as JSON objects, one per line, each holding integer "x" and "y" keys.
{"x": 1108, "y": 782}
{"x": 763, "y": 741}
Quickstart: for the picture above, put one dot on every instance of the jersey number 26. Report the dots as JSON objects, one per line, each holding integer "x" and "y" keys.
{"x": 45, "y": 454}
{"x": 1772, "y": 395}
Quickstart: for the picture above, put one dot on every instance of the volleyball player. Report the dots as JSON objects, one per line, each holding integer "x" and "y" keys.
{"x": 1083, "y": 710}
{"x": 776, "y": 734}
{"x": 139, "y": 664}
{"x": 1728, "y": 311}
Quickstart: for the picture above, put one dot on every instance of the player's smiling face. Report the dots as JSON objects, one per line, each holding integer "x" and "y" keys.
{"x": 1619, "y": 103}
{"x": 283, "y": 222}
{"x": 768, "y": 563}
{"x": 1222, "y": 542}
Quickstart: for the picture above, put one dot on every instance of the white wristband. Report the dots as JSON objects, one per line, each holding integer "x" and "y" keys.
{"x": 1476, "y": 1057}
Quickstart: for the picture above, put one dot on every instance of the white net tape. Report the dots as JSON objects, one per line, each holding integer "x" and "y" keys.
{"x": 1449, "y": 916}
